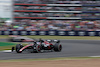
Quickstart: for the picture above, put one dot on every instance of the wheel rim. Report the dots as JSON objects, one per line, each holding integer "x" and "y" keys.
{"x": 60, "y": 47}
{"x": 38, "y": 48}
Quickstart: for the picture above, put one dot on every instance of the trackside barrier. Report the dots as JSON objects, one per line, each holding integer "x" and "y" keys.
{"x": 56, "y": 33}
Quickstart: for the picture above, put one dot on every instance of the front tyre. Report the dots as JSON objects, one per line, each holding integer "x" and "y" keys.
{"x": 18, "y": 47}
{"x": 57, "y": 47}
{"x": 12, "y": 49}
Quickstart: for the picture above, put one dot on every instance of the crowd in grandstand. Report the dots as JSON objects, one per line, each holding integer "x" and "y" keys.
{"x": 45, "y": 1}
{"x": 56, "y": 8}
{"x": 57, "y": 1}
{"x": 45, "y": 15}
{"x": 47, "y": 8}
{"x": 23, "y": 14}
{"x": 61, "y": 25}
{"x": 45, "y": 25}
{"x": 90, "y": 8}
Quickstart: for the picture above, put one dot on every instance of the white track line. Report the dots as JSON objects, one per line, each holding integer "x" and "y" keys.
{"x": 6, "y": 51}
{"x": 94, "y": 56}
{"x": 9, "y": 51}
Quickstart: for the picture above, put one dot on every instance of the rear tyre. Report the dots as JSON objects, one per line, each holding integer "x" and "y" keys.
{"x": 18, "y": 47}
{"x": 57, "y": 47}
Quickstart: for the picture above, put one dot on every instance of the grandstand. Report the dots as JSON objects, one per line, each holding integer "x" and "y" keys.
{"x": 61, "y": 15}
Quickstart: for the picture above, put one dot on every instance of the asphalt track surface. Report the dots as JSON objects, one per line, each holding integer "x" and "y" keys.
{"x": 71, "y": 48}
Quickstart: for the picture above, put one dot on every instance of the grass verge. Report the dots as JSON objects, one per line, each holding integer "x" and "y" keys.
{"x": 67, "y": 37}
{"x": 3, "y": 36}
{"x": 50, "y": 59}
{"x": 5, "y": 48}
{"x": 60, "y": 37}
{"x": 8, "y": 45}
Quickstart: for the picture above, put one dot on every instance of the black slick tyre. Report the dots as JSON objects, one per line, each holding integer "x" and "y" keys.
{"x": 57, "y": 47}
{"x": 18, "y": 47}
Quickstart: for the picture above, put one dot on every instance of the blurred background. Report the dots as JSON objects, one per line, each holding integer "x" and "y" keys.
{"x": 45, "y": 15}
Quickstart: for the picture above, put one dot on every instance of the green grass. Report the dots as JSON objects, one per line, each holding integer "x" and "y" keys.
{"x": 60, "y": 37}
{"x": 6, "y": 45}
{"x": 51, "y": 59}
{"x": 68, "y": 37}
{"x": 3, "y": 36}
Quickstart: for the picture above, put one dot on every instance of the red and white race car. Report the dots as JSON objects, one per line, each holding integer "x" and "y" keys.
{"x": 38, "y": 46}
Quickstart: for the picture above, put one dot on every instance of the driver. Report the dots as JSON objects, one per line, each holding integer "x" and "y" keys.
{"x": 40, "y": 40}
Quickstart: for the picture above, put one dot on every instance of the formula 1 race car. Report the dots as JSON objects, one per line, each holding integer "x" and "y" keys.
{"x": 38, "y": 46}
